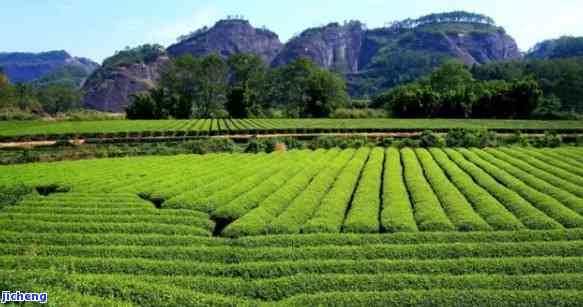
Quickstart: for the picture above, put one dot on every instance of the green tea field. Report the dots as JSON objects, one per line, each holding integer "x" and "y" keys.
{"x": 353, "y": 227}
{"x": 10, "y": 130}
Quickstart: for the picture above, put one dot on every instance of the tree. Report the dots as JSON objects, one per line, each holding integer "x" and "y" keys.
{"x": 452, "y": 76}
{"x": 236, "y": 103}
{"x": 248, "y": 81}
{"x": 326, "y": 93}
{"x": 59, "y": 98}
{"x": 307, "y": 90}
{"x": 6, "y": 92}
{"x": 141, "y": 107}
{"x": 212, "y": 93}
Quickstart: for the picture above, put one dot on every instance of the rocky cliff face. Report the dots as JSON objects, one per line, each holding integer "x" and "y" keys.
{"x": 371, "y": 60}
{"x": 28, "y": 67}
{"x": 229, "y": 37}
{"x": 110, "y": 89}
{"x": 335, "y": 47}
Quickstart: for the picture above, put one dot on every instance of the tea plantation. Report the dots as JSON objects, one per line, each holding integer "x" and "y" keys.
{"x": 353, "y": 227}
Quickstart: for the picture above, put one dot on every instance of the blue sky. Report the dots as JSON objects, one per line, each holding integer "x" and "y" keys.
{"x": 97, "y": 28}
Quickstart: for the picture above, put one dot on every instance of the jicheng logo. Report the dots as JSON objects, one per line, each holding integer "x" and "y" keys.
{"x": 8, "y": 297}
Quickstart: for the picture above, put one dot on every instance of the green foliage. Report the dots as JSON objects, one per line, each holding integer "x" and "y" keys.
{"x": 13, "y": 194}
{"x": 397, "y": 212}
{"x": 328, "y": 142}
{"x": 212, "y": 146}
{"x": 141, "y": 54}
{"x": 429, "y": 213}
{"x": 366, "y": 197}
{"x": 307, "y": 90}
{"x": 451, "y": 92}
{"x": 430, "y": 139}
{"x": 558, "y": 77}
{"x": 142, "y": 106}
{"x": 358, "y": 113}
{"x": 59, "y": 98}
{"x": 550, "y": 139}
{"x": 471, "y": 138}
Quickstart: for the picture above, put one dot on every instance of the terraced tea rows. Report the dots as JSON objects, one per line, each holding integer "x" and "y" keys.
{"x": 41, "y": 130}
{"x": 365, "y": 227}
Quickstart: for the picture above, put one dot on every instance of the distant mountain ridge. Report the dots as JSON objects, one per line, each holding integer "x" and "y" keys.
{"x": 26, "y": 67}
{"x": 371, "y": 60}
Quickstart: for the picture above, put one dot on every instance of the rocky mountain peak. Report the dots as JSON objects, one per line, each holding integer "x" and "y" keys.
{"x": 229, "y": 37}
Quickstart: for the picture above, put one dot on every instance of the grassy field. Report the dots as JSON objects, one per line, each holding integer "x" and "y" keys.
{"x": 355, "y": 227}
{"x": 44, "y": 129}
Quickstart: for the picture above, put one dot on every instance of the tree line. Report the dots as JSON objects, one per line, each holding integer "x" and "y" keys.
{"x": 451, "y": 91}
{"x": 240, "y": 86}
{"x": 51, "y": 98}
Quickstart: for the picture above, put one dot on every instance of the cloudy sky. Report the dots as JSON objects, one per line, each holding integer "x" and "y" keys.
{"x": 96, "y": 29}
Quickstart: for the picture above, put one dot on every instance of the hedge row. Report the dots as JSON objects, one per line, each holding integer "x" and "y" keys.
{"x": 397, "y": 212}
{"x": 562, "y": 190}
{"x": 503, "y": 172}
{"x": 117, "y": 219}
{"x": 573, "y": 181}
{"x": 303, "y": 207}
{"x": 332, "y": 211}
{"x": 558, "y": 162}
{"x": 363, "y": 216}
{"x": 429, "y": 213}
{"x": 278, "y": 289}
{"x": 228, "y": 254}
{"x": 567, "y": 156}
{"x": 529, "y": 215}
{"x": 305, "y": 240}
{"x": 104, "y": 211}
{"x": 193, "y": 198}
{"x": 440, "y": 298}
{"x": 233, "y": 185}
{"x": 257, "y": 220}
{"x": 116, "y": 291}
{"x": 456, "y": 206}
{"x": 205, "y": 170}
{"x": 255, "y": 195}
{"x": 484, "y": 203}
{"x": 510, "y": 266}
{"x": 129, "y": 228}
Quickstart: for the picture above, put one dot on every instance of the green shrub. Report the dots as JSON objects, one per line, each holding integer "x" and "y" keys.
{"x": 397, "y": 211}
{"x": 505, "y": 173}
{"x": 12, "y": 195}
{"x": 483, "y": 174}
{"x": 212, "y": 145}
{"x": 333, "y": 207}
{"x": 387, "y": 142}
{"x": 429, "y": 213}
{"x": 430, "y": 139}
{"x": 456, "y": 206}
{"x": 471, "y": 138}
{"x": 407, "y": 143}
{"x": 518, "y": 138}
{"x": 579, "y": 141}
{"x": 328, "y": 142}
{"x": 366, "y": 197}
{"x": 550, "y": 139}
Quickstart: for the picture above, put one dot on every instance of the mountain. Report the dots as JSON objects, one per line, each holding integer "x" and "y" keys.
{"x": 229, "y": 37}
{"x": 377, "y": 59}
{"x": 53, "y": 66}
{"x": 335, "y": 47}
{"x": 126, "y": 73}
{"x": 371, "y": 60}
{"x": 564, "y": 47}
